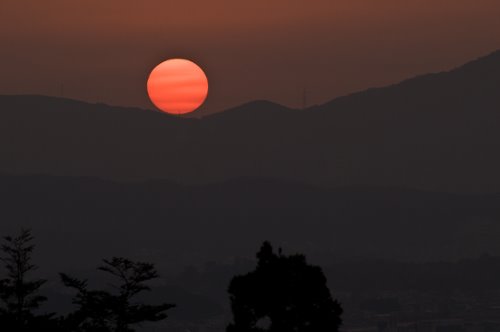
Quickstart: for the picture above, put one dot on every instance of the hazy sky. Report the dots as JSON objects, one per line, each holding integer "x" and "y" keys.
{"x": 103, "y": 50}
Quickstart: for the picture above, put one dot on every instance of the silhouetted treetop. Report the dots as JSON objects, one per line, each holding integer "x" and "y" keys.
{"x": 101, "y": 310}
{"x": 19, "y": 295}
{"x": 284, "y": 293}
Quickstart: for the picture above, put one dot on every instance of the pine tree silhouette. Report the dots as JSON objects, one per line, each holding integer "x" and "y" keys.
{"x": 18, "y": 294}
{"x": 100, "y": 310}
{"x": 284, "y": 293}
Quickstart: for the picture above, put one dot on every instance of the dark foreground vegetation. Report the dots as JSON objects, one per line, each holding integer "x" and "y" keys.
{"x": 284, "y": 293}
{"x": 96, "y": 310}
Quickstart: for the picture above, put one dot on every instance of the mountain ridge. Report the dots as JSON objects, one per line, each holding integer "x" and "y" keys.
{"x": 493, "y": 56}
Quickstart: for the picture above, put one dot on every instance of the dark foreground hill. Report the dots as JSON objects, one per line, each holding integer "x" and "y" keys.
{"x": 77, "y": 221}
{"x": 434, "y": 132}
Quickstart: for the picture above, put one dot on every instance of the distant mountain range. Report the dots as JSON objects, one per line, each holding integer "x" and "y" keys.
{"x": 434, "y": 132}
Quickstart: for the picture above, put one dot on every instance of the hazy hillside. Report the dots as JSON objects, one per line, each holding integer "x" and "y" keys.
{"x": 83, "y": 219}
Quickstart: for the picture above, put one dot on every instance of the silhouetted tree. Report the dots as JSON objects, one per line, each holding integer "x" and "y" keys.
{"x": 18, "y": 294}
{"x": 100, "y": 310}
{"x": 284, "y": 293}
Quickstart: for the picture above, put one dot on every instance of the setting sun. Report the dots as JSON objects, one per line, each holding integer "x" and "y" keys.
{"x": 177, "y": 86}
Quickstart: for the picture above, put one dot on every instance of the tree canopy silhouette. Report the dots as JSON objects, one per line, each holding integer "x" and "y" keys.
{"x": 100, "y": 310}
{"x": 18, "y": 294}
{"x": 284, "y": 293}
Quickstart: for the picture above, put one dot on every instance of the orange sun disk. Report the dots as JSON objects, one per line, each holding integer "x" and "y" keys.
{"x": 177, "y": 86}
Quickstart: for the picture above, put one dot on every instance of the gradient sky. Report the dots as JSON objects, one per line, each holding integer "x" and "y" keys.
{"x": 103, "y": 51}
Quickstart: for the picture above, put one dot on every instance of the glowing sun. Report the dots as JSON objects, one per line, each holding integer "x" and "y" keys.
{"x": 177, "y": 86}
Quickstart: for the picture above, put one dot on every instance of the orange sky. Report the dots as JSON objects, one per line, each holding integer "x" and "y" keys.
{"x": 261, "y": 49}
